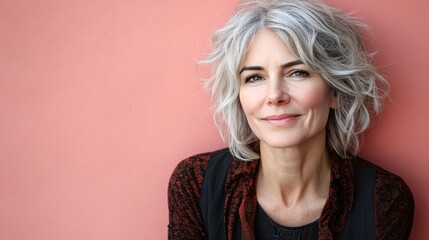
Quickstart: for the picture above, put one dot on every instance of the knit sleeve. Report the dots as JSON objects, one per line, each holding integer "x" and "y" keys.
{"x": 394, "y": 207}
{"x": 185, "y": 221}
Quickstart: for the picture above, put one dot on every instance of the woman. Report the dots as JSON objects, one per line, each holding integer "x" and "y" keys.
{"x": 294, "y": 88}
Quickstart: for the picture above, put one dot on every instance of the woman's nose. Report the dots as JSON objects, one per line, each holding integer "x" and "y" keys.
{"x": 277, "y": 93}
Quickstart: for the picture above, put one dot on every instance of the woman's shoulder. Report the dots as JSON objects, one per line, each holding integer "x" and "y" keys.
{"x": 391, "y": 185}
{"x": 387, "y": 182}
{"x": 191, "y": 169}
{"x": 189, "y": 173}
{"x": 194, "y": 162}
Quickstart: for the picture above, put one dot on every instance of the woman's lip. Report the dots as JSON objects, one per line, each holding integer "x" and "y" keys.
{"x": 280, "y": 120}
{"x": 280, "y": 117}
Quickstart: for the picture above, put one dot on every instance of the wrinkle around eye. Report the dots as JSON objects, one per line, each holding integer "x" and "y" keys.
{"x": 299, "y": 74}
{"x": 253, "y": 78}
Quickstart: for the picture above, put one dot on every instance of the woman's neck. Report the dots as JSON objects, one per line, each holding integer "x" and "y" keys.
{"x": 293, "y": 174}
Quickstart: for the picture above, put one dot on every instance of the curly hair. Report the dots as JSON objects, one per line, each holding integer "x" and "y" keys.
{"x": 323, "y": 38}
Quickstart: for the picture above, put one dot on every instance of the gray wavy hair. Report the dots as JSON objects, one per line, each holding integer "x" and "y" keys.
{"x": 323, "y": 38}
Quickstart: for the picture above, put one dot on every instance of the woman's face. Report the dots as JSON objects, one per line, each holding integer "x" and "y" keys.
{"x": 285, "y": 103}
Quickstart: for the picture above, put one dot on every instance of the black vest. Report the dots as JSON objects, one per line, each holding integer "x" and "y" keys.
{"x": 359, "y": 223}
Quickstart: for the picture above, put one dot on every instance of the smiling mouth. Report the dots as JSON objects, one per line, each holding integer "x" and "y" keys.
{"x": 280, "y": 119}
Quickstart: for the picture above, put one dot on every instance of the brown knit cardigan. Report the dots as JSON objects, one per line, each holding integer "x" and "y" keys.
{"x": 393, "y": 200}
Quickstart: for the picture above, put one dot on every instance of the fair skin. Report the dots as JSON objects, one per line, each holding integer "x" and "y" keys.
{"x": 287, "y": 107}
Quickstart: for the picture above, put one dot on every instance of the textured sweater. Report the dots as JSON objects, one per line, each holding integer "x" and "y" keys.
{"x": 393, "y": 200}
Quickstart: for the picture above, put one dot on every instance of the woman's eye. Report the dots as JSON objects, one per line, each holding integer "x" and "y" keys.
{"x": 299, "y": 73}
{"x": 253, "y": 78}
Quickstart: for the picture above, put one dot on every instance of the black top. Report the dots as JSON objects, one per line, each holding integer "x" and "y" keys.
{"x": 267, "y": 229}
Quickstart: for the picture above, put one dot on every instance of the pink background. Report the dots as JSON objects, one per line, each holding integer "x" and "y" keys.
{"x": 99, "y": 100}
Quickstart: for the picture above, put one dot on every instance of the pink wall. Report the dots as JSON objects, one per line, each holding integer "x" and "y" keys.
{"x": 99, "y": 100}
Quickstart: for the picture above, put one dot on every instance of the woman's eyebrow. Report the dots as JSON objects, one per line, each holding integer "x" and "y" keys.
{"x": 290, "y": 64}
{"x": 257, "y": 68}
